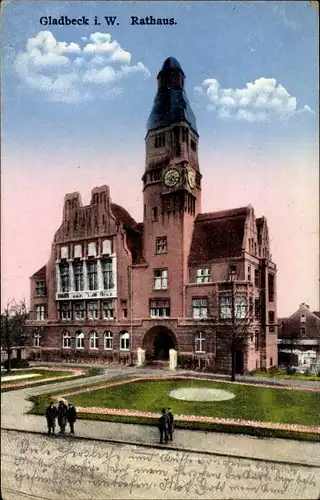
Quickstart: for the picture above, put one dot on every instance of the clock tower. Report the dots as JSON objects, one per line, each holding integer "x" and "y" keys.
{"x": 172, "y": 180}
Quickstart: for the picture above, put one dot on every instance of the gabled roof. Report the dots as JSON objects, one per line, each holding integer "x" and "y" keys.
{"x": 41, "y": 273}
{"x": 291, "y": 326}
{"x": 218, "y": 235}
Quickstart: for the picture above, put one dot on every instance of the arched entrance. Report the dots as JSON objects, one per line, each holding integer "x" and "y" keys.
{"x": 157, "y": 342}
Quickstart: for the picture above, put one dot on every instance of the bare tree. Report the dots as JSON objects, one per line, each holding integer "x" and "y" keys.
{"x": 13, "y": 326}
{"x": 232, "y": 319}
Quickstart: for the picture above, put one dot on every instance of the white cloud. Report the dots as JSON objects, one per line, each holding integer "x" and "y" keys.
{"x": 257, "y": 101}
{"x": 65, "y": 72}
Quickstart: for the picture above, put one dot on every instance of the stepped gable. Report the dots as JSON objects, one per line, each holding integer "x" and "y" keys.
{"x": 218, "y": 235}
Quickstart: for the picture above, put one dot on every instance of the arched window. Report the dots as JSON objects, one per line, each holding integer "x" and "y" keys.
{"x": 108, "y": 341}
{"x": 124, "y": 341}
{"x": 93, "y": 340}
{"x": 66, "y": 339}
{"x": 37, "y": 340}
{"x": 79, "y": 340}
{"x": 200, "y": 342}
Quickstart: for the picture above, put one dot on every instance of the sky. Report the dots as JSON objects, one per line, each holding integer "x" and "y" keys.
{"x": 76, "y": 99}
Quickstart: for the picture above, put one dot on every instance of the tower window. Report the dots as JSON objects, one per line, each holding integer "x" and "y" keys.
{"x": 154, "y": 213}
{"x": 161, "y": 245}
{"x": 193, "y": 145}
{"x": 160, "y": 140}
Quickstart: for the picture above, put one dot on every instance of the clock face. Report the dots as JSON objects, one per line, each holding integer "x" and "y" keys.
{"x": 191, "y": 178}
{"x": 171, "y": 177}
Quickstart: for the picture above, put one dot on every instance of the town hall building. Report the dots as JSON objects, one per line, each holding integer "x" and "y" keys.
{"x": 180, "y": 279}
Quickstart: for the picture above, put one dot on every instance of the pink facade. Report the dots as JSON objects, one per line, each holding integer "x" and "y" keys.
{"x": 180, "y": 279}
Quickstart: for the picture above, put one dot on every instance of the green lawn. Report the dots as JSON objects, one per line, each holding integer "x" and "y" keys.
{"x": 250, "y": 403}
{"x": 45, "y": 376}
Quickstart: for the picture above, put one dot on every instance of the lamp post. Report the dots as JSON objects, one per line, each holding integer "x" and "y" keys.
{"x": 232, "y": 277}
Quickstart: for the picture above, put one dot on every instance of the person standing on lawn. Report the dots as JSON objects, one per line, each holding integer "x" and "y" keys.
{"x": 71, "y": 416}
{"x": 62, "y": 416}
{"x": 163, "y": 426}
{"x": 170, "y": 423}
{"x": 51, "y": 415}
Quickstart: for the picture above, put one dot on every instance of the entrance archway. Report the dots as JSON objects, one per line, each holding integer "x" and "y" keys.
{"x": 157, "y": 342}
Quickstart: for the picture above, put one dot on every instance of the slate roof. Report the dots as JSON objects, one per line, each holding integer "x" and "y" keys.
{"x": 171, "y": 63}
{"x": 171, "y": 105}
{"x": 218, "y": 235}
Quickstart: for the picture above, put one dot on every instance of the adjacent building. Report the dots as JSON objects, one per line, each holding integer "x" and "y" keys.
{"x": 179, "y": 279}
{"x": 299, "y": 339}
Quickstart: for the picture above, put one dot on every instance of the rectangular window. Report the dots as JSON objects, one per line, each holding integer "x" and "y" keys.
{"x": 200, "y": 308}
{"x": 271, "y": 316}
{"x": 64, "y": 277}
{"x": 78, "y": 276}
{"x": 92, "y": 310}
{"x": 40, "y": 288}
{"x": 40, "y": 313}
{"x": 160, "y": 279}
{"x": 249, "y": 273}
{"x": 161, "y": 245}
{"x": 193, "y": 145}
{"x": 79, "y": 310}
{"x": 240, "y": 306}
{"x": 37, "y": 340}
{"x": 302, "y": 318}
{"x": 155, "y": 217}
{"x": 257, "y": 278}
{"x": 160, "y": 308}
{"x": 92, "y": 275}
{"x": 225, "y": 306}
{"x": 200, "y": 342}
{"x": 108, "y": 309}
{"x": 271, "y": 287}
{"x": 257, "y": 340}
{"x": 64, "y": 311}
{"x": 302, "y": 331}
{"x": 203, "y": 275}
{"x": 107, "y": 274}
